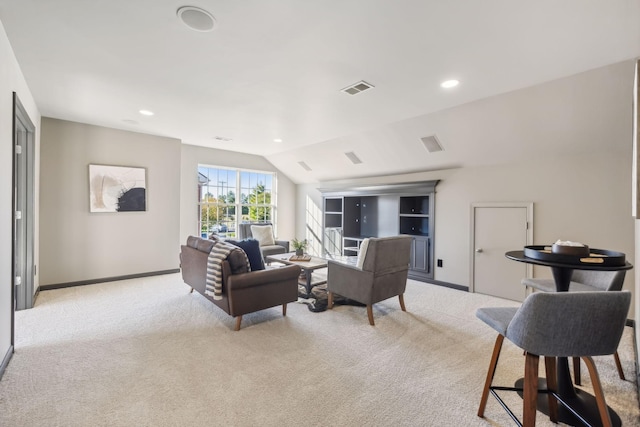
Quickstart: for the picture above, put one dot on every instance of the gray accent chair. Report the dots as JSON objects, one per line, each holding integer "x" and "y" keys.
{"x": 383, "y": 275}
{"x": 280, "y": 247}
{"x": 581, "y": 281}
{"x": 562, "y": 324}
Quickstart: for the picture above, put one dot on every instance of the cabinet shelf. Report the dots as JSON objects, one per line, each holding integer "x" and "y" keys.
{"x": 414, "y": 205}
{"x": 414, "y": 225}
{"x": 414, "y": 215}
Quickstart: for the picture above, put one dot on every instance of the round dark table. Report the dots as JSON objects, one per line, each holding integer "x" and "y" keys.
{"x": 579, "y": 400}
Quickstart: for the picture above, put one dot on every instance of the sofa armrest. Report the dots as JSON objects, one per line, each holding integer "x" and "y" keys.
{"x": 284, "y": 243}
{"x": 262, "y": 277}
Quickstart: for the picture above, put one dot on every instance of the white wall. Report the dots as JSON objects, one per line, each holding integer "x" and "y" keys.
{"x": 582, "y": 198}
{"x": 77, "y": 245}
{"x": 193, "y": 155}
{"x": 581, "y": 194}
{"x": 11, "y": 80}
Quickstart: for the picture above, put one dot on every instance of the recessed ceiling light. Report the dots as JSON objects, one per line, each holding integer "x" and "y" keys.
{"x": 146, "y": 112}
{"x": 278, "y": 140}
{"x": 197, "y": 19}
{"x": 449, "y": 84}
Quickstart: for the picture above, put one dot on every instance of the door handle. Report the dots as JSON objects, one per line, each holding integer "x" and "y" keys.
{"x": 479, "y": 250}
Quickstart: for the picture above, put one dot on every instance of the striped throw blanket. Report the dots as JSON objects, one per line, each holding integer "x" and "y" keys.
{"x": 219, "y": 252}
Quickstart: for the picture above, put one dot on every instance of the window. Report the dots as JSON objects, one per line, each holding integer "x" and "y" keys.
{"x": 220, "y": 209}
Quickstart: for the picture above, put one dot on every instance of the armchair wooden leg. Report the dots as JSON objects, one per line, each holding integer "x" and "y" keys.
{"x": 530, "y": 397}
{"x": 370, "y": 314}
{"x": 597, "y": 391}
{"x": 329, "y": 300}
{"x": 619, "y": 365}
{"x": 401, "y": 298}
{"x": 284, "y": 309}
{"x": 492, "y": 370}
{"x": 238, "y": 321}
{"x": 552, "y": 385}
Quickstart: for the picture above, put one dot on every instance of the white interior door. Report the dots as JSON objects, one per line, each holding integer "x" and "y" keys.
{"x": 498, "y": 229}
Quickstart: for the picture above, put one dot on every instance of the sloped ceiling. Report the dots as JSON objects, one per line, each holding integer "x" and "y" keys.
{"x": 274, "y": 69}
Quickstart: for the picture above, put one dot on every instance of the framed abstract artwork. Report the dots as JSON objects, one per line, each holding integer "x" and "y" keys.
{"x": 117, "y": 189}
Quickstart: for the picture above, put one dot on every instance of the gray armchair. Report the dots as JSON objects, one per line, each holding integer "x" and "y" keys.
{"x": 583, "y": 281}
{"x": 279, "y": 246}
{"x": 381, "y": 273}
{"x": 563, "y": 324}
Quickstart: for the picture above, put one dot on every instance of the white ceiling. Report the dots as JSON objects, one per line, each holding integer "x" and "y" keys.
{"x": 274, "y": 69}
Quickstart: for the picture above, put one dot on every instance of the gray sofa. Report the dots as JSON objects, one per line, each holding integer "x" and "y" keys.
{"x": 280, "y": 247}
{"x": 242, "y": 292}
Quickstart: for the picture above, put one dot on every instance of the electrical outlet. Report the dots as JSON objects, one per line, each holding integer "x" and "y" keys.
{"x": 439, "y": 263}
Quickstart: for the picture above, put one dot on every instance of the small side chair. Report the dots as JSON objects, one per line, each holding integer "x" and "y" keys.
{"x": 381, "y": 272}
{"x": 581, "y": 281}
{"x": 563, "y": 324}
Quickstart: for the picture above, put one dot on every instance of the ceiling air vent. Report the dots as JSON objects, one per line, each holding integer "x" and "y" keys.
{"x": 222, "y": 139}
{"x": 305, "y": 166}
{"x": 352, "y": 156}
{"x": 356, "y": 88}
{"x": 431, "y": 143}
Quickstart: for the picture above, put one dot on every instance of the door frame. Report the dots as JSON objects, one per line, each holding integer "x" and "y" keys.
{"x": 20, "y": 115}
{"x": 472, "y": 238}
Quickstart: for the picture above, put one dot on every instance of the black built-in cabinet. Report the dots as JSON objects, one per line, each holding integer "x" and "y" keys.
{"x": 352, "y": 214}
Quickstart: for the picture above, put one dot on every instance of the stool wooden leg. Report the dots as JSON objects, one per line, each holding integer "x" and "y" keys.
{"x": 492, "y": 370}
{"x": 191, "y": 291}
{"x": 238, "y": 321}
{"x": 552, "y": 385}
{"x": 401, "y": 298}
{"x": 597, "y": 391}
{"x": 370, "y": 314}
{"x": 530, "y": 395}
{"x": 619, "y": 365}
{"x": 576, "y": 371}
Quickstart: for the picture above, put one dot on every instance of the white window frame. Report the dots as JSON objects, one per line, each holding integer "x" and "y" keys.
{"x": 238, "y": 189}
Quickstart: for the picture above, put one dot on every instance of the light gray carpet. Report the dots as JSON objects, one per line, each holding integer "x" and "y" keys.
{"x": 147, "y": 353}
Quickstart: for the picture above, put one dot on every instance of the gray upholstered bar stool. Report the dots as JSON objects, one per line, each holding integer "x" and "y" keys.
{"x": 564, "y": 324}
{"x": 581, "y": 281}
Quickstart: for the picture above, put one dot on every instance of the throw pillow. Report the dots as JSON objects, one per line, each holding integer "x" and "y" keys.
{"x": 363, "y": 253}
{"x": 238, "y": 261}
{"x": 252, "y": 248}
{"x": 264, "y": 234}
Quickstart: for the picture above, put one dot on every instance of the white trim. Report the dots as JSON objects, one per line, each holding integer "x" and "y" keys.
{"x": 527, "y": 205}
